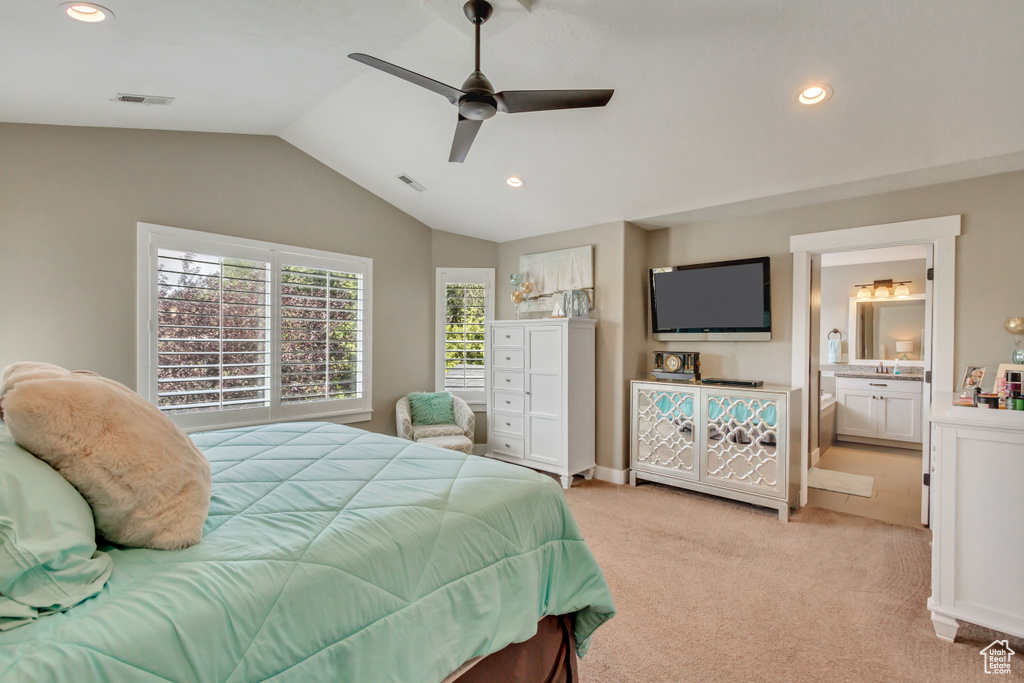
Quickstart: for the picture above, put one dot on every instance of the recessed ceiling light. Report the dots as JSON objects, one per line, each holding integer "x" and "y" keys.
{"x": 86, "y": 11}
{"x": 815, "y": 94}
{"x": 515, "y": 181}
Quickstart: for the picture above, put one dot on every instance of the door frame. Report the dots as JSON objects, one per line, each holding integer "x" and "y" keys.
{"x": 941, "y": 234}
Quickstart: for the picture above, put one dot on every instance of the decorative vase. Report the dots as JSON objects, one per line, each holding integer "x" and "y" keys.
{"x": 1015, "y": 326}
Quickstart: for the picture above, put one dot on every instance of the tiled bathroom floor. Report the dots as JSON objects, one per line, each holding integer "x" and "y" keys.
{"x": 896, "y": 494}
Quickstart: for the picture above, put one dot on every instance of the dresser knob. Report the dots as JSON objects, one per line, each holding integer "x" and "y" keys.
{"x": 508, "y": 357}
{"x": 507, "y": 379}
{"x": 508, "y": 336}
{"x": 508, "y": 424}
{"x": 507, "y": 446}
{"x": 508, "y": 402}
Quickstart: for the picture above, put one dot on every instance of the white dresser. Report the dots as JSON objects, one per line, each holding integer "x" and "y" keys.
{"x": 540, "y": 394}
{"x": 977, "y": 506}
{"x": 729, "y": 442}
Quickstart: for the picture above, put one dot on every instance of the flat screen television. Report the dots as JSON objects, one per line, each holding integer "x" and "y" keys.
{"x": 723, "y": 301}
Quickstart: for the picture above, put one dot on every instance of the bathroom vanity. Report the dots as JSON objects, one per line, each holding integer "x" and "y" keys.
{"x": 878, "y": 408}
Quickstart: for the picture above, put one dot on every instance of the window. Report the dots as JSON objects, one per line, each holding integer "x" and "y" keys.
{"x": 465, "y": 300}
{"x": 235, "y": 332}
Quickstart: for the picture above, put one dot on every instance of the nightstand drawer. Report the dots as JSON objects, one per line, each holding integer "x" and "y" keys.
{"x": 508, "y": 423}
{"x": 507, "y": 402}
{"x": 507, "y": 358}
{"x": 507, "y": 336}
{"x": 508, "y": 380}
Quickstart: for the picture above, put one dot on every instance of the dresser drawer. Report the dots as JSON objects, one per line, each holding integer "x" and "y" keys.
{"x": 506, "y": 336}
{"x": 508, "y": 380}
{"x": 507, "y": 358}
{"x": 507, "y": 423}
{"x": 901, "y": 386}
{"x": 507, "y": 445}
{"x": 508, "y": 402}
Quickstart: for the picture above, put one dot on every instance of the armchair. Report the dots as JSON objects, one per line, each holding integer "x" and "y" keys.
{"x": 455, "y": 437}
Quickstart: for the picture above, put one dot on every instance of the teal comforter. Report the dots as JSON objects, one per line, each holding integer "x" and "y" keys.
{"x": 330, "y": 554}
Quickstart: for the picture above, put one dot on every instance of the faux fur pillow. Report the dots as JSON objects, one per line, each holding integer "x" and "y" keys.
{"x": 147, "y": 483}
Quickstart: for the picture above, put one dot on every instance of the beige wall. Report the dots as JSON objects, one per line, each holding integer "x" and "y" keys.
{"x": 634, "y": 324}
{"x": 990, "y": 248}
{"x": 69, "y": 202}
{"x": 837, "y": 286}
{"x": 449, "y": 250}
{"x": 608, "y": 242}
{"x": 70, "y": 199}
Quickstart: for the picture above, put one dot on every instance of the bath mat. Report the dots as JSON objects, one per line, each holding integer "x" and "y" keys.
{"x": 840, "y": 482}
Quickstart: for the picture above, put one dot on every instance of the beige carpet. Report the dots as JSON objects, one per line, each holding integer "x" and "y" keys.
{"x": 708, "y": 589}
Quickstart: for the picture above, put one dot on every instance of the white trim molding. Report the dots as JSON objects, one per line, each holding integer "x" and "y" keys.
{"x": 611, "y": 476}
{"x": 276, "y": 257}
{"x": 940, "y": 234}
{"x": 477, "y": 400}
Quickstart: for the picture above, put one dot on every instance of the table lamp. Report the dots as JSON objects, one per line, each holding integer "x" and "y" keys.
{"x": 904, "y": 347}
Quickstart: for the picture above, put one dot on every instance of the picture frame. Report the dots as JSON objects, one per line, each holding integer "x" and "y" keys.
{"x": 974, "y": 375}
{"x": 1001, "y": 377}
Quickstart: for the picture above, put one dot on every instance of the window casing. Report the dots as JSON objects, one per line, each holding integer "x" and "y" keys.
{"x": 464, "y": 302}
{"x": 236, "y": 332}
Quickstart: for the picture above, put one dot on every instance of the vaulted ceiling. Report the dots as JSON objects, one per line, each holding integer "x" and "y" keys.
{"x": 704, "y": 113}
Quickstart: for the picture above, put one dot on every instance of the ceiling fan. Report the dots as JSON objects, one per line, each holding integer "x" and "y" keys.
{"x": 477, "y": 100}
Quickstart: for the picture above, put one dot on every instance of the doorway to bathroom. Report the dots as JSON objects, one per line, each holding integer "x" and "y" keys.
{"x": 872, "y": 342}
{"x": 871, "y": 312}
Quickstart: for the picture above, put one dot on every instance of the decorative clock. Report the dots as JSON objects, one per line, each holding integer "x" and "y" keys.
{"x": 677, "y": 366}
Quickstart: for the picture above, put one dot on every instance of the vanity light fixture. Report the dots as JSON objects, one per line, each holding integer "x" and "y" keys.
{"x": 815, "y": 94}
{"x": 87, "y": 12}
{"x": 515, "y": 181}
{"x": 883, "y": 289}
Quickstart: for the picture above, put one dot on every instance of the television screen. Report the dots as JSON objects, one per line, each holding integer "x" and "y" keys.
{"x": 730, "y": 296}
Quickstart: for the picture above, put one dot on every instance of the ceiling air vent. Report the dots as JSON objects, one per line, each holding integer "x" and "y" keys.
{"x": 411, "y": 183}
{"x": 142, "y": 99}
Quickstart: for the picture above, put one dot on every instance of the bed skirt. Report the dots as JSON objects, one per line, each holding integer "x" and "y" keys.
{"x": 547, "y": 657}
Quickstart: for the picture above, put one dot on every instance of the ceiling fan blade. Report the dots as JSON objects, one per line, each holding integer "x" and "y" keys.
{"x": 465, "y": 133}
{"x": 516, "y": 101}
{"x": 452, "y": 94}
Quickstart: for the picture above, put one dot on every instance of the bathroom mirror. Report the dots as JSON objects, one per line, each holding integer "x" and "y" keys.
{"x": 878, "y": 324}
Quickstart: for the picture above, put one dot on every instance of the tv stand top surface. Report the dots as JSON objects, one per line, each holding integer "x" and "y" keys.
{"x": 709, "y": 385}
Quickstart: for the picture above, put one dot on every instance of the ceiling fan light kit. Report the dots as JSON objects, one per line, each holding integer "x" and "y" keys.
{"x": 477, "y": 101}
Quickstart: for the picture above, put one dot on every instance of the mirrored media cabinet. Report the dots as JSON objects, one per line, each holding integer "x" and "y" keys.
{"x": 723, "y": 441}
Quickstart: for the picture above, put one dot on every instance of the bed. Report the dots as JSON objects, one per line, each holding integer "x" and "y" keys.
{"x": 331, "y": 554}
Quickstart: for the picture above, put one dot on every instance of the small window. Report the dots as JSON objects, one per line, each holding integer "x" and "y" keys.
{"x": 465, "y": 301}
{"x": 235, "y": 332}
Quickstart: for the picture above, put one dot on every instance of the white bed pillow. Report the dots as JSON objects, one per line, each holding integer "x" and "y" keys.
{"x": 147, "y": 483}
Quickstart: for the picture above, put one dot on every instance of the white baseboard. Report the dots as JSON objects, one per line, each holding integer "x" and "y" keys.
{"x": 611, "y": 476}
{"x": 815, "y": 456}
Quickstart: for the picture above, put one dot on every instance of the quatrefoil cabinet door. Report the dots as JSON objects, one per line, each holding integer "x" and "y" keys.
{"x": 665, "y": 430}
{"x": 743, "y": 446}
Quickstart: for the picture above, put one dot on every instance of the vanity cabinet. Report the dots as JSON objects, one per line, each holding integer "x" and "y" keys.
{"x": 540, "y": 394}
{"x": 882, "y": 409}
{"x": 733, "y": 443}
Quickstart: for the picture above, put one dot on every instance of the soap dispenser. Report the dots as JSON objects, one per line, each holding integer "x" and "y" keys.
{"x": 896, "y": 366}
